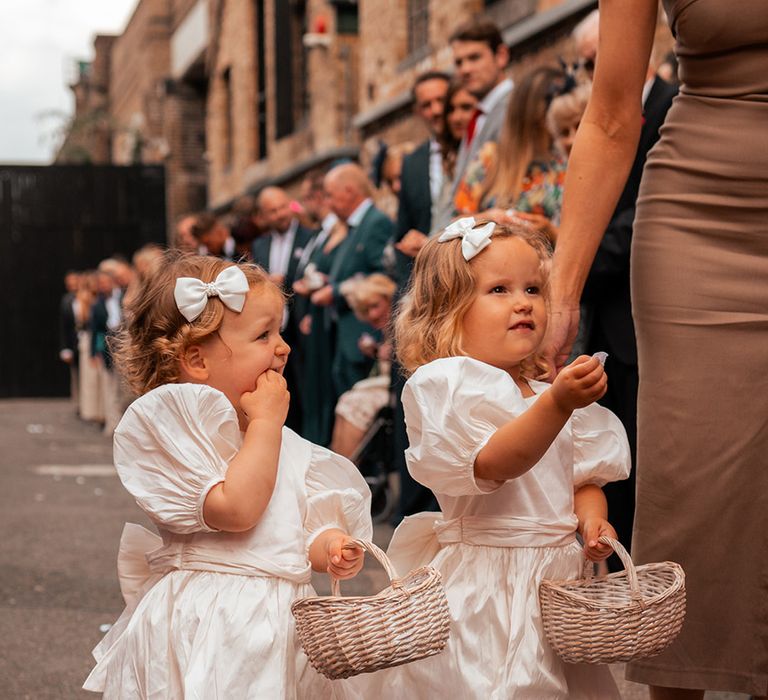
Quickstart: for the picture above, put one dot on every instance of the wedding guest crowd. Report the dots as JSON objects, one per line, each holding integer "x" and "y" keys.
{"x": 549, "y": 154}
{"x": 343, "y": 249}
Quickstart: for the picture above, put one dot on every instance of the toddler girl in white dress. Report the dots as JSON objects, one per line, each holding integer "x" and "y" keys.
{"x": 245, "y": 507}
{"x": 516, "y": 465}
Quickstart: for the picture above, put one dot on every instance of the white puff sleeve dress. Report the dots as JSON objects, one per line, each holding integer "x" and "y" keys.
{"x": 495, "y": 541}
{"x": 208, "y": 613}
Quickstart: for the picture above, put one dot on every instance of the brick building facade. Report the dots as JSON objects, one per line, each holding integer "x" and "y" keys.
{"x": 88, "y": 137}
{"x": 233, "y": 95}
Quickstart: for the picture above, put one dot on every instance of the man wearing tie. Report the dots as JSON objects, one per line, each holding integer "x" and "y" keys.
{"x": 278, "y": 251}
{"x": 480, "y": 57}
{"x": 361, "y": 253}
{"x": 422, "y": 175}
{"x": 422, "y": 182}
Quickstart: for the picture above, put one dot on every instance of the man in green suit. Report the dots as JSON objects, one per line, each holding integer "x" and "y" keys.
{"x": 361, "y": 253}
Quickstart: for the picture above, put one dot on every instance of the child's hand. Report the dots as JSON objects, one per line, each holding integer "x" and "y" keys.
{"x": 579, "y": 384}
{"x": 345, "y": 559}
{"x": 269, "y": 401}
{"x": 591, "y": 529}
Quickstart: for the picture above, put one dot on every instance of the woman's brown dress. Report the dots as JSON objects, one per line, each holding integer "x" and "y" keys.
{"x": 700, "y": 300}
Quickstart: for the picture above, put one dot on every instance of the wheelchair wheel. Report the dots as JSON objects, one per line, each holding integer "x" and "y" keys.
{"x": 374, "y": 460}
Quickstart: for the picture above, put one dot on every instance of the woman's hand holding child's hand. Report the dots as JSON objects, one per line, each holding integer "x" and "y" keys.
{"x": 269, "y": 401}
{"x": 580, "y": 383}
{"x": 591, "y": 529}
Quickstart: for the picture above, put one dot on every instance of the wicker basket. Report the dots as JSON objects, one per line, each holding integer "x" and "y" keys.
{"x": 627, "y": 615}
{"x": 406, "y": 621}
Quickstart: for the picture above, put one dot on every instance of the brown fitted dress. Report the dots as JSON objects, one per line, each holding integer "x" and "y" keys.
{"x": 700, "y": 304}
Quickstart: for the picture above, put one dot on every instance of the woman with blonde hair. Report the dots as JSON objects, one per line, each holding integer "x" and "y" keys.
{"x": 564, "y": 116}
{"x": 522, "y": 174}
{"x": 371, "y": 300}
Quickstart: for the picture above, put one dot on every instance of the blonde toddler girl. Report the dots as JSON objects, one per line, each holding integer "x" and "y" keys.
{"x": 245, "y": 507}
{"x": 515, "y": 463}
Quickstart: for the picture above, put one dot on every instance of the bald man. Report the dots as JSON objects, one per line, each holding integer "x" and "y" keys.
{"x": 361, "y": 253}
{"x": 278, "y": 251}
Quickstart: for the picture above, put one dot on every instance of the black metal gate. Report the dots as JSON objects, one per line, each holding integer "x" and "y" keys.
{"x": 52, "y": 219}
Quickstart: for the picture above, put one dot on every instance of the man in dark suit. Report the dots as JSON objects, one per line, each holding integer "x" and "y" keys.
{"x": 213, "y": 237}
{"x": 422, "y": 180}
{"x": 361, "y": 253}
{"x": 278, "y": 251}
{"x": 68, "y": 338}
{"x": 422, "y": 176}
{"x": 606, "y": 299}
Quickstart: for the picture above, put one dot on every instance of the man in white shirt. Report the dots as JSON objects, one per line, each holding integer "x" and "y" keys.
{"x": 279, "y": 251}
{"x": 276, "y": 251}
{"x": 480, "y": 57}
{"x": 422, "y": 174}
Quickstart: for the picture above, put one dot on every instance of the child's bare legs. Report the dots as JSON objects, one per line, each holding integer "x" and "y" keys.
{"x": 658, "y": 693}
{"x": 346, "y": 437}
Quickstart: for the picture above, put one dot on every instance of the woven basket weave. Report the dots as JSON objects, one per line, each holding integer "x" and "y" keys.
{"x": 627, "y": 615}
{"x": 406, "y": 621}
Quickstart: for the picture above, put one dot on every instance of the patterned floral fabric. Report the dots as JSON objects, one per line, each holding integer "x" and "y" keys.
{"x": 469, "y": 193}
{"x": 542, "y": 191}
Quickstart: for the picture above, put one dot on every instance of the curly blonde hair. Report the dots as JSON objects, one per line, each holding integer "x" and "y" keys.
{"x": 148, "y": 348}
{"x": 360, "y": 292}
{"x": 428, "y": 324}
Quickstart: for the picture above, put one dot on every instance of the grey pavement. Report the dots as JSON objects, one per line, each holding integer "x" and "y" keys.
{"x": 62, "y": 510}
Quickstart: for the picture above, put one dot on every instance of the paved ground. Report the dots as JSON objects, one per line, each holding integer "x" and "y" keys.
{"x": 61, "y": 513}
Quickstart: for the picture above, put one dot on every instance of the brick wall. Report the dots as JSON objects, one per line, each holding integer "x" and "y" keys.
{"x": 331, "y": 76}
{"x": 231, "y": 129}
{"x": 140, "y": 64}
{"x": 89, "y": 136}
{"x": 184, "y": 131}
{"x": 205, "y": 126}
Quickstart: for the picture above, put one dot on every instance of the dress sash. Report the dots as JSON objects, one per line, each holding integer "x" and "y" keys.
{"x": 419, "y": 538}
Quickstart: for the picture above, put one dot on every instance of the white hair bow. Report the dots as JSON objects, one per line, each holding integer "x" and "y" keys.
{"x": 191, "y": 294}
{"x": 473, "y": 240}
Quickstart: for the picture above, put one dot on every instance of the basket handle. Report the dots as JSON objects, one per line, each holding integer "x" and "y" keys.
{"x": 377, "y": 552}
{"x": 626, "y": 560}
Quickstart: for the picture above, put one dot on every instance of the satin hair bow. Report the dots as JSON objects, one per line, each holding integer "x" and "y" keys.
{"x": 191, "y": 294}
{"x": 473, "y": 240}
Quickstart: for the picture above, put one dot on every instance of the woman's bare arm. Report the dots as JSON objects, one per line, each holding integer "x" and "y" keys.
{"x": 601, "y": 158}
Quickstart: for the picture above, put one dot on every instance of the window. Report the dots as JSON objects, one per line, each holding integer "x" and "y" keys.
{"x": 261, "y": 83}
{"x": 346, "y": 17}
{"x": 418, "y": 26}
{"x": 226, "y": 81}
{"x": 290, "y": 66}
